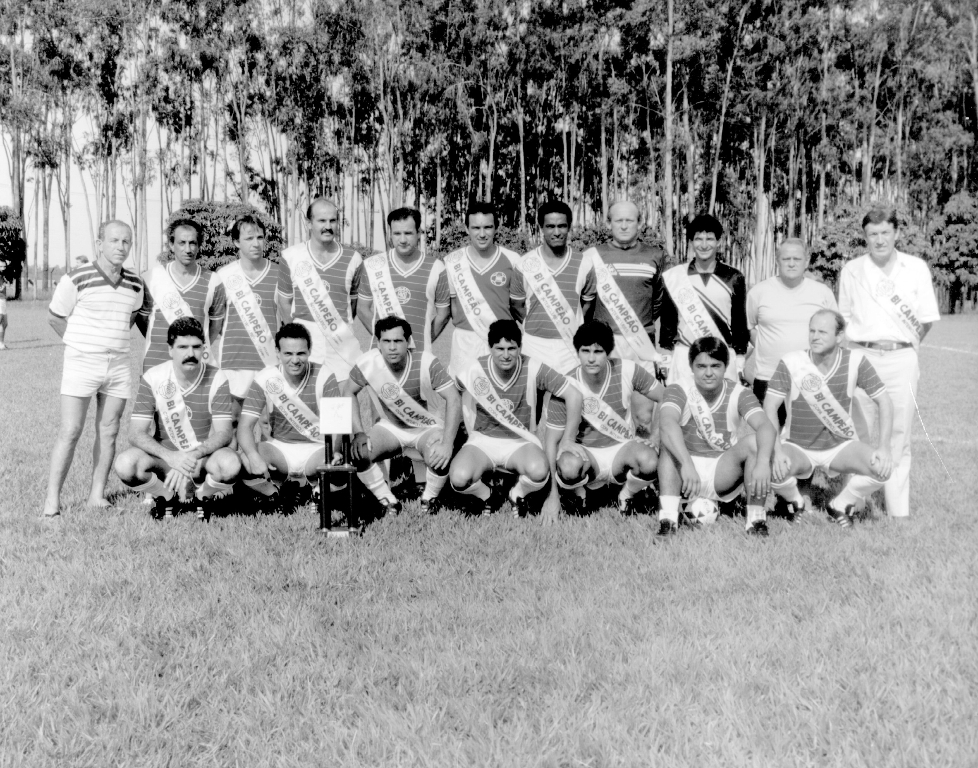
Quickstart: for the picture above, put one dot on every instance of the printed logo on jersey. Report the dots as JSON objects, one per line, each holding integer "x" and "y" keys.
{"x": 390, "y": 391}
{"x": 167, "y": 390}
{"x": 403, "y": 294}
{"x": 171, "y": 301}
{"x": 190, "y": 413}
{"x": 275, "y": 386}
{"x": 509, "y": 405}
{"x": 591, "y": 406}
{"x": 531, "y": 263}
{"x": 258, "y": 299}
{"x": 498, "y": 279}
{"x": 811, "y": 383}
{"x": 482, "y": 386}
{"x": 303, "y": 268}
{"x": 885, "y": 288}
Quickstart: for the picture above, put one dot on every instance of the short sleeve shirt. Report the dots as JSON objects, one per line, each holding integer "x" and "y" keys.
{"x": 237, "y": 349}
{"x": 410, "y": 383}
{"x": 415, "y": 290}
{"x": 341, "y": 275}
{"x": 575, "y": 280}
{"x": 317, "y": 383}
{"x": 208, "y": 402}
{"x": 99, "y": 311}
{"x": 493, "y": 277}
{"x": 697, "y": 445}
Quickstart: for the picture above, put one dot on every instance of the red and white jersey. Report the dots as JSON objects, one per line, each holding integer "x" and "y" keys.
{"x": 208, "y": 401}
{"x": 99, "y": 311}
{"x": 205, "y": 297}
{"x": 493, "y": 276}
{"x": 514, "y": 394}
{"x": 317, "y": 383}
{"x": 614, "y": 391}
{"x": 576, "y": 281}
{"x": 734, "y": 405}
{"x": 238, "y": 351}
{"x": 415, "y": 291}
{"x": 341, "y": 274}
{"x": 410, "y": 383}
{"x": 803, "y": 427}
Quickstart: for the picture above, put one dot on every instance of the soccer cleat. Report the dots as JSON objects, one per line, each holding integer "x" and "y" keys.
{"x": 429, "y": 506}
{"x": 667, "y": 528}
{"x": 844, "y": 519}
{"x": 631, "y": 506}
{"x": 390, "y": 508}
{"x": 201, "y": 512}
{"x": 521, "y": 506}
{"x": 574, "y": 505}
{"x": 163, "y": 510}
{"x": 757, "y": 528}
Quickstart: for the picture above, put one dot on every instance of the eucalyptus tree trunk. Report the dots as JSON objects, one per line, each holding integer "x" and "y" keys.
{"x": 667, "y": 149}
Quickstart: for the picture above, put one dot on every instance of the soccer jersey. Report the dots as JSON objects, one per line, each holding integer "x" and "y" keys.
{"x": 341, "y": 275}
{"x": 613, "y": 392}
{"x": 514, "y": 394}
{"x": 410, "y": 383}
{"x": 575, "y": 280}
{"x": 208, "y": 400}
{"x": 726, "y": 416}
{"x": 238, "y": 351}
{"x": 99, "y": 311}
{"x": 493, "y": 277}
{"x": 317, "y": 383}
{"x": 638, "y": 273}
{"x": 724, "y": 295}
{"x": 803, "y": 427}
{"x": 414, "y": 287}
{"x": 204, "y": 295}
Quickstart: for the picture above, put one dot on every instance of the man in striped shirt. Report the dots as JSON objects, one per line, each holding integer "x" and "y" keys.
{"x": 92, "y": 309}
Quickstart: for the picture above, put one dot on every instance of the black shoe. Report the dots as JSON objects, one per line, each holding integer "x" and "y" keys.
{"x": 667, "y": 528}
{"x": 390, "y": 508}
{"x": 573, "y": 505}
{"x": 844, "y": 519}
{"x": 631, "y": 506}
{"x": 164, "y": 508}
{"x": 521, "y": 506}
{"x": 757, "y": 528}
{"x": 429, "y": 506}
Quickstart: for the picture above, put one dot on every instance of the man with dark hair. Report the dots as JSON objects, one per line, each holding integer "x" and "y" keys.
{"x": 289, "y": 394}
{"x": 612, "y": 453}
{"x": 702, "y": 298}
{"x": 501, "y": 390}
{"x": 818, "y": 384}
{"x": 702, "y": 457}
{"x": 180, "y": 288}
{"x": 887, "y": 298}
{"x": 180, "y": 426}
{"x": 473, "y": 287}
{"x": 553, "y": 292}
{"x": 318, "y": 285}
{"x": 401, "y": 382}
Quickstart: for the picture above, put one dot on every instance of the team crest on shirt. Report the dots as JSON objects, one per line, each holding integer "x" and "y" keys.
{"x": 403, "y": 294}
{"x": 303, "y": 268}
{"x": 170, "y": 301}
{"x": 685, "y": 296}
{"x": 498, "y": 279}
{"x": 591, "y": 406}
{"x": 481, "y": 386}
{"x": 885, "y": 288}
{"x": 167, "y": 389}
{"x": 811, "y": 383}
{"x": 531, "y": 263}
{"x": 275, "y": 386}
{"x": 390, "y": 391}
{"x": 257, "y": 298}
{"x": 509, "y": 405}
{"x": 234, "y": 282}
{"x": 190, "y": 413}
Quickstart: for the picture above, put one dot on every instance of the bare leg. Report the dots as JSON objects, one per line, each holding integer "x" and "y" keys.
{"x": 73, "y": 412}
{"x": 108, "y": 413}
{"x": 3, "y": 328}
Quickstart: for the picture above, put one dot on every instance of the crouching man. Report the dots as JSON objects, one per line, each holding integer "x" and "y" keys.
{"x": 180, "y": 427}
{"x": 612, "y": 454}
{"x": 401, "y": 381}
{"x": 702, "y": 457}
{"x": 499, "y": 403}
{"x": 289, "y": 392}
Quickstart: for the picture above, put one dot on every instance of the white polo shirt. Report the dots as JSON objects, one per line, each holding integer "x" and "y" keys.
{"x": 98, "y": 310}
{"x": 862, "y": 297}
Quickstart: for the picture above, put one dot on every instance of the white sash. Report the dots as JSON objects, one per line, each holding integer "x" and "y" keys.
{"x": 898, "y": 309}
{"x": 688, "y": 303}
{"x": 285, "y": 398}
{"x": 383, "y": 382}
{"x": 382, "y": 286}
{"x": 621, "y": 311}
{"x": 166, "y": 294}
{"x": 474, "y": 304}
{"x": 814, "y": 387}
{"x": 479, "y": 387}
{"x": 602, "y": 416}
{"x": 171, "y": 406}
{"x": 541, "y": 282}
{"x": 703, "y": 417}
{"x": 240, "y": 293}
{"x": 310, "y": 283}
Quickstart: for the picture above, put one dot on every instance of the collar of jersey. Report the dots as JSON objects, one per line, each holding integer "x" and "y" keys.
{"x": 723, "y": 394}
{"x": 603, "y": 389}
{"x": 495, "y": 376}
{"x": 261, "y": 275}
{"x": 402, "y": 380}
{"x": 835, "y": 366}
{"x": 195, "y": 383}
{"x": 189, "y": 285}
{"x": 302, "y": 384}
{"x": 563, "y": 265}
{"x": 328, "y": 264}
{"x": 393, "y": 263}
{"x": 481, "y": 268}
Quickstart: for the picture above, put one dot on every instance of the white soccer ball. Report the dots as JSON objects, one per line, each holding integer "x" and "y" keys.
{"x": 702, "y": 511}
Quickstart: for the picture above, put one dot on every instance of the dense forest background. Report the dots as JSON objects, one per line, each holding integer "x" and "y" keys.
{"x": 782, "y": 117}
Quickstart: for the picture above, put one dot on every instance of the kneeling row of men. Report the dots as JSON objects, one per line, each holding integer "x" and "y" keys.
{"x": 182, "y": 423}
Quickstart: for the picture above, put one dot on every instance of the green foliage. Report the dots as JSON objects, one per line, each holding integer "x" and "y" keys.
{"x": 216, "y": 218}
{"x": 455, "y": 236}
{"x": 956, "y": 238}
{"x": 13, "y": 249}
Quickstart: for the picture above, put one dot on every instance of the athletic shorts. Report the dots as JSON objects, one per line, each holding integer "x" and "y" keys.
{"x": 322, "y": 352}
{"x": 499, "y": 450}
{"x": 296, "y": 454}
{"x": 411, "y": 439}
{"x": 706, "y": 467}
{"x": 553, "y": 352}
{"x": 239, "y": 381}
{"x": 89, "y": 373}
{"x": 821, "y": 458}
{"x": 467, "y": 347}
{"x": 603, "y": 460}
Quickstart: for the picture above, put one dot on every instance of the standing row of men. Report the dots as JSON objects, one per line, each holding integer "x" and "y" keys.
{"x": 283, "y": 337}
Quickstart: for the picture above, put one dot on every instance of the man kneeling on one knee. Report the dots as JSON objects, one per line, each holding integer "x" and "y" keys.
{"x": 819, "y": 432}
{"x": 289, "y": 392}
{"x": 612, "y": 454}
{"x": 181, "y": 425}
{"x": 402, "y": 382}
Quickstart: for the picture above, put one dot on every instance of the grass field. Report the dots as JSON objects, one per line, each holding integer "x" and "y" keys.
{"x": 253, "y": 641}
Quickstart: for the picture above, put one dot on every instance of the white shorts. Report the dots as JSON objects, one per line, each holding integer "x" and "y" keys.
{"x": 296, "y": 454}
{"x": 467, "y": 347}
{"x": 411, "y": 439}
{"x": 239, "y": 381}
{"x": 322, "y": 352}
{"x": 821, "y": 458}
{"x": 499, "y": 450}
{"x": 706, "y": 468}
{"x": 553, "y": 352}
{"x": 604, "y": 462}
{"x": 681, "y": 373}
{"x": 89, "y": 373}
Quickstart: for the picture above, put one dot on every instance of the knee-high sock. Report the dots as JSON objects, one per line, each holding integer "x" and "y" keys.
{"x": 755, "y": 513}
{"x": 154, "y": 488}
{"x": 433, "y": 484}
{"x": 788, "y": 490}
{"x": 858, "y": 488}
{"x": 373, "y": 478}
{"x": 525, "y": 486}
{"x": 478, "y": 488}
{"x": 632, "y": 486}
{"x": 211, "y": 487}
{"x": 262, "y": 485}
{"x": 669, "y": 508}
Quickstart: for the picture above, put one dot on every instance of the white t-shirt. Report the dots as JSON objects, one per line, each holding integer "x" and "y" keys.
{"x": 781, "y": 316}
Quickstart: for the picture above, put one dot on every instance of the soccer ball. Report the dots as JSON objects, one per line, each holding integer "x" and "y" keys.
{"x": 702, "y": 511}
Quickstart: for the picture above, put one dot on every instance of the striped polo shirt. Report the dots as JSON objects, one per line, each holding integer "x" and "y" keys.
{"x": 494, "y": 278}
{"x": 415, "y": 290}
{"x": 99, "y": 311}
{"x": 410, "y": 383}
{"x": 341, "y": 275}
{"x": 803, "y": 427}
{"x": 208, "y": 400}
{"x": 317, "y": 383}
{"x": 574, "y": 278}
{"x": 746, "y": 406}
{"x": 204, "y": 295}
{"x": 238, "y": 351}
{"x": 724, "y": 295}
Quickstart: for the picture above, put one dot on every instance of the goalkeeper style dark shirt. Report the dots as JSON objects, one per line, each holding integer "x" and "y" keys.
{"x": 724, "y": 294}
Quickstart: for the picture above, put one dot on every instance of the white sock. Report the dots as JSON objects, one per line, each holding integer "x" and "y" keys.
{"x": 844, "y": 499}
{"x": 262, "y": 485}
{"x": 669, "y": 508}
{"x": 154, "y": 488}
{"x": 373, "y": 478}
{"x": 580, "y": 491}
{"x": 433, "y": 484}
{"x": 755, "y": 513}
{"x": 632, "y": 486}
{"x": 788, "y": 490}
{"x": 211, "y": 487}
{"x": 525, "y": 486}
{"x": 478, "y": 488}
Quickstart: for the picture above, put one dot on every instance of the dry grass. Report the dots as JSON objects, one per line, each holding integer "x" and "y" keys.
{"x": 452, "y": 641}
